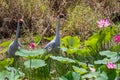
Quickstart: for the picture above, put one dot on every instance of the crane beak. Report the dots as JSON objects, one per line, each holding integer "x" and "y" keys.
{"x": 65, "y": 18}
{"x": 24, "y": 24}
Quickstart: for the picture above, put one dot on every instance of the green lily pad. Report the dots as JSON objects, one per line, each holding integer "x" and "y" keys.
{"x": 79, "y": 70}
{"x": 71, "y": 76}
{"x": 11, "y": 73}
{"x": 34, "y": 63}
{"x": 96, "y": 76}
{"x": 104, "y": 61}
{"x": 82, "y": 64}
{"x": 108, "y": 53}
{"x": 114, "y": 59}
{"x": 118, "y": 66}
{"x": 27, "y": 53}
{"x": 62, "y": 59}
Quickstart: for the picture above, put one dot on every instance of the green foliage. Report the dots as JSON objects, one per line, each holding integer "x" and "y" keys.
{"x": 111, "y": 73}
{"x": 85, "y": 51}
{"x": 110, "y": 57}
{"x": 70, "y": 44}
{"x": 3, "y": 50}
{"x": 108, "y": 53}
{"x": 97, "y": 39}
{"x": 11, "y": 73}
{"x": 104, "y": 61}
{"x": 79, "y": 56}
{"x": 6, "y": 62}
{"x": 49, "y": 38}
{"x": 81, "y": 18}
{"x": 94, "y": 43}
{"x": 96, "y": 76}
{"x": 79, "y": 70}
{"x": 71, "y": 76}
{"x": 34, "y": 63}
{"x": 115, "y": 48}
{"x": 5, "y": 44}
{"x": 118, "y": 66}
{"x": 62, "y": 59}
{"x": 29, "y": 53}
{"x": 37, "y": 39}
{"x": 84, "y": 65}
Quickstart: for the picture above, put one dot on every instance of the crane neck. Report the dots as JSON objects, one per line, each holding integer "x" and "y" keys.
{"x": 17, "y": 32}
{"x": 58, "y": 28}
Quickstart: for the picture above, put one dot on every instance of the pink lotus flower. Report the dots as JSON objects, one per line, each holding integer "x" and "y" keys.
{"x": 32, "y": 45}
{"x": 117, "y": 38}
{"x": 107, "y": 23}
{"x": 110, "y": 65}
{"x": 103, "y": 23}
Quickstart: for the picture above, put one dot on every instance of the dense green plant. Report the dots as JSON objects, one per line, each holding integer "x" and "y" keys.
{"x": 89, "y": 56}
{"x": 108, "y": 57}
{"x": 33, "y": 61}
{"x": 81, "y": 20}
{"x": 6, "y": 62}
{"x": 70, "y": 44}
{"x": 4, "y": 45}
{"x": 71, "y": 76}
{"x": 11, "y": 73}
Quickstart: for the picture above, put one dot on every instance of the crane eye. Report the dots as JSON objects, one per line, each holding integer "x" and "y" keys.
{"x": 49, "y": 48}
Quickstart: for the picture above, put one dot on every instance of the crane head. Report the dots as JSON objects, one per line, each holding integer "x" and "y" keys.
{"x": 22, "y": 22}
{"x": 61, "y": 15}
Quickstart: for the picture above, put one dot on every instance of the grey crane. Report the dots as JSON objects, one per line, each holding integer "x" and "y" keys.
{"x": 15, "y": 44}
{"x": 54, "y": 45}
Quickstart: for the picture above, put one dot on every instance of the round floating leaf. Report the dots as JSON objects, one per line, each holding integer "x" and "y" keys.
{"x": 63, "y": 49}
{"x": 27, "y": 53}
{"x": 96, "y": 75}
{"x": 79, "y": 70}
{"x": 90, "y": 75}
{"x": 71, "y": 76}
{"x": 103, "y": 76}
{"x": 118, "y": 66}
{"x": 62, "y": 59}
{"x": 34, "y": 63}
{"x": 4, "y": 74}
{"x": 72, "y": 50}
{"x": 108, "y": 53}
{"x": 114, "y": 59}
{"x": 104, "y": 61}
{"x": 11, "y": 73}
{"x": 16, "y": 71}
{"x": 84, "y": 65}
